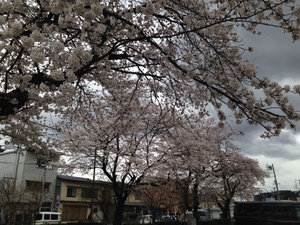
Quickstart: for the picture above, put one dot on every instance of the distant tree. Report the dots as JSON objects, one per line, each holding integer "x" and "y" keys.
{"x": 284, "y": 195}
{"x": 208, "y": 163}
{"x": 19, "y": 203}
{"x": 161, "y": 197}
{"x": 153, "y": 198}
{"x": 288, "y": 195}
{"x": 197, "y": 142}
{"x": 10, "y": 196}
{"x": 54, "y": 52}
{"x": 233, "y": 175}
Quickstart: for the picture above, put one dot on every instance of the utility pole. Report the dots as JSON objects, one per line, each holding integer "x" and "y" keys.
{"x": 297, "y": 183}
{"x": 16, "y": 166}
{"x": 93, "y": 187}
{"x": 276, "y": 183}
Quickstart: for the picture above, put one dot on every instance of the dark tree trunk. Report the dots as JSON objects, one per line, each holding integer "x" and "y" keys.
{"x": 225, "y": 209}
{"x": 195, "y": 200}
{"x": 186, "y": 195}
{"x": 119, "y": 208}
{"x": 153, "y": 211}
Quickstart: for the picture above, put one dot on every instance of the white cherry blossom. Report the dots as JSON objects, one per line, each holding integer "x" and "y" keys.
{"x": 173, "y": 49}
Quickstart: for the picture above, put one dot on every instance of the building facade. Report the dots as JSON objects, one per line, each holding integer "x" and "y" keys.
{"x": 79, "y": 199}
{"x": 31, "y": 173}
{"x": 82, "y": 199}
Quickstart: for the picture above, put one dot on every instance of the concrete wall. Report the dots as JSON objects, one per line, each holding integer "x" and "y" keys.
{"x": 22, "y": 167}
{"x": 8, "y": 162}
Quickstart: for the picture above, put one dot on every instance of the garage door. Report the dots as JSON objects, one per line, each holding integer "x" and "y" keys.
{"x": 74, "y": 212}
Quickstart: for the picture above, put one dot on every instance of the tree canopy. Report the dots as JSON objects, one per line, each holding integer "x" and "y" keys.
{"x": 54, "y": 52}
{"x": 233, "y": 175}
{"x": 131, "y": 138}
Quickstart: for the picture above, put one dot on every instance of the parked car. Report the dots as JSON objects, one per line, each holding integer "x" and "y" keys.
{"x": 202, "y": 213}
{"x": 170, "y": 216}
{"x": 166, "y": 218}
{"x": 47, "y": 218}
{"x": 146, "y": 219}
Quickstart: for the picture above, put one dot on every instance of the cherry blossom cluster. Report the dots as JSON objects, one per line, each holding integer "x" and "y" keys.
{"x": 185, "y": 52}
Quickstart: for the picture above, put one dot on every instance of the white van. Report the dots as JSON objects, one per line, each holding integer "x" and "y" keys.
{"x": 202, "y": 213}
{"x": 42, "y": 218}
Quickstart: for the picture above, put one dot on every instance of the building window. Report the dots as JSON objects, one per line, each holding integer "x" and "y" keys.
{"x": 138, "y": 196}
{"x": 47, "y": 217}
{"x": 54, "y": 216}
{"x": 45, "y": 164}
{"x": 88, "y": 193}
{"x": 37, "y": 186}
{"x": 71, "y": 192}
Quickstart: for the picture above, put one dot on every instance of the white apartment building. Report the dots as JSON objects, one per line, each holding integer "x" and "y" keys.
{"x": 32, "y": 172}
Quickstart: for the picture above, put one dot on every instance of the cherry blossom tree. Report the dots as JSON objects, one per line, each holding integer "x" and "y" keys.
{"x": 120, "y": 133}
{"x": 207, "y": 162}
{"x": 198, "y": 143}
{"x": 53, "y": 51}
{"x": 233, "y": 175}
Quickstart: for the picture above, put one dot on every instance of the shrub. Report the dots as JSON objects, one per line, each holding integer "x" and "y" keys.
{"x": 216, "y": 222}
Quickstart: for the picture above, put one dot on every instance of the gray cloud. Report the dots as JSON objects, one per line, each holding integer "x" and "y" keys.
{"x": 278, "y": 58}
{"x": 284, "y": 146}
{"x": 275, "y": 54}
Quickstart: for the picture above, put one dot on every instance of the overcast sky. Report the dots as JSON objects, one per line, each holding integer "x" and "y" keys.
{"x": 277, "y": 57}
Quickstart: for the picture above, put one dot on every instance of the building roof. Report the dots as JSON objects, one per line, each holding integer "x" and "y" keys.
{"x": 71, "y": 178}
{"x": 80, "y": 179}
{"x": 6, "y": 152}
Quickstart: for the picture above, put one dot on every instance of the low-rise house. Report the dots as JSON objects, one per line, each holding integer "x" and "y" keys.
{"x": 80, "y": 198}
{"x": 77, "y": 197}
{"x": 134, "y": 207}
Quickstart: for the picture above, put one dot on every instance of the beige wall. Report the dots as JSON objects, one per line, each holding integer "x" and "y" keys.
{"x": 132, "y": 198}
{"x": 78, "y": 208}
